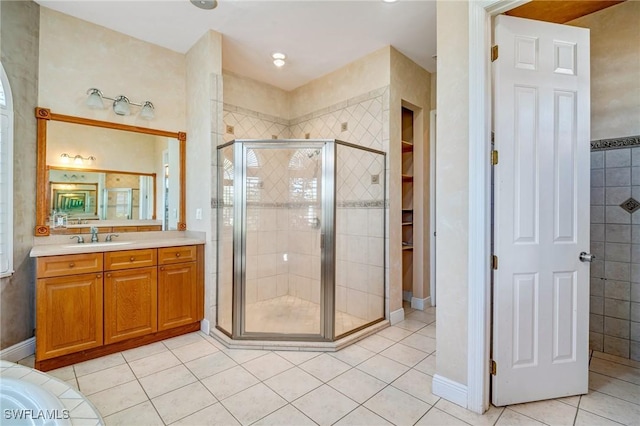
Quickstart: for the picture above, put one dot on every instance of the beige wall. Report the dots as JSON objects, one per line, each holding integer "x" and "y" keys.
{"x": 256, "y": 96}
{"x": 615, "y": 70}
{"x": 19, "y": 54}
{"x": 452, "y": 190}
{"x": 76, "y": 55}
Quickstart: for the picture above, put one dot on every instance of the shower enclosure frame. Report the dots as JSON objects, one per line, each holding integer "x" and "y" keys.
{"x": 328, "y": 250}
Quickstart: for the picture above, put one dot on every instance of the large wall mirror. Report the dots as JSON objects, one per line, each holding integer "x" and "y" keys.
{"x": 117, "y": 177}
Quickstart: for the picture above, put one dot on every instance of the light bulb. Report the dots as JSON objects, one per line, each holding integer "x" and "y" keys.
{"x": 77, "y": 159}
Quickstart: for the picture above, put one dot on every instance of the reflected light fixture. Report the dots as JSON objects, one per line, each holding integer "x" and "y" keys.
{"x": 278, "y": 59}
{"x": 121, "y": 104}
{"x": 76, "y": 159}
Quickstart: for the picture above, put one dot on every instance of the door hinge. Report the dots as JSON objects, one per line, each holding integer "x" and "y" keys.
{"x": 493, "y": 367}
{"x": 494, "y": 157}
{"x": 494, "y": 53}
{"x": 494, "y": 262}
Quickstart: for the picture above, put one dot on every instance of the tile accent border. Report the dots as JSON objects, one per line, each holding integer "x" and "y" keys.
{"x": 615, "y": 143}
{"x": 449, "y": 390}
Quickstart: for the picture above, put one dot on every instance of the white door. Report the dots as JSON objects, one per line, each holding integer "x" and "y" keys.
{"x": 541, "y": 288}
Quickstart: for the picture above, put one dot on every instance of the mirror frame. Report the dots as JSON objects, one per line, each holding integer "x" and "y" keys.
{"x": 44, "y": 115}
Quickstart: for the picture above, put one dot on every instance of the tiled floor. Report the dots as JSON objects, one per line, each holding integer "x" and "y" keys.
{"x": 384, "y": 379}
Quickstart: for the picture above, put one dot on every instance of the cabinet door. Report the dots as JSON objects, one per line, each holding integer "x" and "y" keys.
{"x": 130, "y": 304}
{"x": 177, "y": 286}
{"x": 69, "y": 314}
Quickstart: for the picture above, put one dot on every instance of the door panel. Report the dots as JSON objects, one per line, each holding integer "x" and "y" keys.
{"x": 541, "y": 289}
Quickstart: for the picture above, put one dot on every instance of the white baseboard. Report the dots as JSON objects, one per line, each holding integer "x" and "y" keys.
{"x": 19, "y": 351}
{"x": 407, "y": 295}
{"x": 205, "y": 326}
{"x": 449, "y": 390}
{"x": 396, "y": 316}
{"x": 420, "y": 304}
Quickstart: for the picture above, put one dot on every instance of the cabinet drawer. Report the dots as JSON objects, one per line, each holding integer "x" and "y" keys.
{"x": 71, "y": 264}
{"x": 180, "y": 254}
{"x": 127, "y": 259}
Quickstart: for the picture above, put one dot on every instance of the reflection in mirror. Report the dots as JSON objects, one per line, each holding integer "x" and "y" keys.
{"x": 113, "y": 174}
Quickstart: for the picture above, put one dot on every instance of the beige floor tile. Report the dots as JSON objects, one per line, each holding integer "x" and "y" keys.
{"x": 550, "y": 412}
{"x": 143, "y": 414}
{"x": 427, "y": 365}
{"x": 435, "y": 417}
{"x": 267, "y": 366}
{"x": 611, "y": 408}
{"x": 167, "y": 380}
{"x": 293, "y": 383}
{"x": 325, "y": 367}
{"x": 244, "y": 355}
{"x": 195, "y": 350}
{"x": 286, "y": 416}
{"x": 570, "y": 400}
{"x": 617, "y": 359}
{"x": 357, "y": 385}
{"x": 420, "y": 342}
{"x": 416, "y": 384}
{"x": 210, "y": 365}
{"x": 118, "y": 398}
{"x": 383, "y": 368}
{"x": 394, "y": 333}
{"x": 429, "y": 331}
{"x": 620, "y": 389}
{"x": 64, "y": 373}
{"x": 183, "y": 402}
{"x": 253, "y": 404}
{"x": 183, "y": 340}
{"x": 55, "y": 386}
{"x": 585, "y": 418}
{"x": 28, "y": 361}
{"x": 152, "y": 364}
{"x": 612, "y": 369}
{"x": 93, "y": 365}
{"x": 362, "y": 417}
{"x": 397, "y": 407}
{"x": 325, "y": 405}
{"x": 73, "y": 383}
{"x": 84, "y": 411}
{"x": 229, "y": 382}
{"x": 411, "y": 325}
{"x": 297, "y": 357}
{"x": 425, "y": 317}
{"x": 105, "y": 379}
{"x": 144, "y": 351}
{"x": 353, "y": 355}
{"x": 375, "y": 343}
{"x": 213, "y": 415}
{"x": 488, "y": 418}
{"x": 404, "y": 354}
{"x": 513, "y": 418}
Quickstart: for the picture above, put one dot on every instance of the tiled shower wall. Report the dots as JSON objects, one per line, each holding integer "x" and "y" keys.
{"x": 615, "y": 241}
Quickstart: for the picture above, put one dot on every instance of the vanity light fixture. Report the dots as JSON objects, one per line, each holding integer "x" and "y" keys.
{"x": 77, "y": 159}
{"x": 278, "y": 59}
{"x": 121, "y": 104}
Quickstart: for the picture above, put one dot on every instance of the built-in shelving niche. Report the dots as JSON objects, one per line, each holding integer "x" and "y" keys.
{"x": 407, "y": 201}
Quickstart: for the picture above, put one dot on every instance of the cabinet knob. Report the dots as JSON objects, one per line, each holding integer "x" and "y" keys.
{"x": 131, "y": 259}
{"x": 108, "y": 275}
{"x": 162, "y": 268}
{"x": 177, "y": 254}
{"x": 71, "y": 264}
{"x": 99, "y": 276}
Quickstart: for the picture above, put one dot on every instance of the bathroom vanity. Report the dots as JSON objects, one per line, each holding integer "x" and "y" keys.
{"x": 96, "y": 299}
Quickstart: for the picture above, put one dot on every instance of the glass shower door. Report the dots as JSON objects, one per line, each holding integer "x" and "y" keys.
{"x": 282, "y": 195}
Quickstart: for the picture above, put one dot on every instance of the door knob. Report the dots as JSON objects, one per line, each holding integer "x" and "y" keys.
{"x": 586, "y": 257}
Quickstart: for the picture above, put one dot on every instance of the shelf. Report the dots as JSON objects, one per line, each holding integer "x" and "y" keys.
{"x": 407, "y": 223}
{"x": 407, "y": 178}
{"x": 407, "y": 146}
{"x": 407, "y": 248}
{"x": 407, "y": 210}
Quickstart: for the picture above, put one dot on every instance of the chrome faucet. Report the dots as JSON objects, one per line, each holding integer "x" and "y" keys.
{"x": 109, "y": 237}
{"x": 94, "y": 234}
{"x": 79, "y": 237}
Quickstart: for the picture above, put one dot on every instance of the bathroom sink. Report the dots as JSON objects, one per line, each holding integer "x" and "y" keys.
{"x": 97, "y": 245}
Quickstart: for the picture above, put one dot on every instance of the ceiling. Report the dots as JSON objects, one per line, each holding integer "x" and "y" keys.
{"x": 560, "y": 11}
{"x": 317, "y": 36}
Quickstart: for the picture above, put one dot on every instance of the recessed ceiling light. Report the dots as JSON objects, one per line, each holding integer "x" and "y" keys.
{"x": 278, "y": 59}
{"x": 205, "y": 4}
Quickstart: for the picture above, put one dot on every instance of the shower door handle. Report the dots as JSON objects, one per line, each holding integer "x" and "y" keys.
{"x": 586, "y": 257}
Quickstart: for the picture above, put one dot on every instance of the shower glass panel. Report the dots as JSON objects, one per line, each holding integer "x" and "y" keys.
{"x": 225, "y": 239}
{"x": 283, "y": 211}
{"x": 359, "y": 234}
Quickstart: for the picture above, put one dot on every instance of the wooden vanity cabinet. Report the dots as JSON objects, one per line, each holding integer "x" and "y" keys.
{"x": 69, "y": 304}
{"x": 130, "y": 298}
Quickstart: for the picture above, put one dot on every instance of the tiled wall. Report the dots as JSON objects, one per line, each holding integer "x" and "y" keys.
{"x": 615, "y": 241}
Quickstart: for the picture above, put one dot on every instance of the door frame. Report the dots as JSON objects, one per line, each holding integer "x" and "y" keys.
{"x": 479, "y": 249}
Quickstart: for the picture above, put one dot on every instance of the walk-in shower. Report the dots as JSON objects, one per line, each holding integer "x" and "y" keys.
{"x": 301, "y": 231}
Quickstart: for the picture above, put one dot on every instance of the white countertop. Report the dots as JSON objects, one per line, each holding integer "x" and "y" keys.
{"x": 62, "y": 244}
